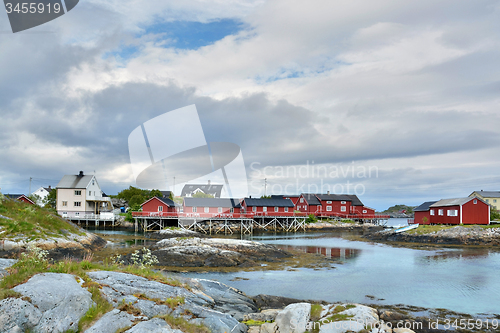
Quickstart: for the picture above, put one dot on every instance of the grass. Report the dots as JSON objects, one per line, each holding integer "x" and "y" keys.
{"x": 316, "y": 311}
{"x": 427, "y": 229}
{"x": 183, "y": 325}
{"x": 332, "y": 316}
{"x": 252, "y": 322}
{"x": 172, "y": 302}
{"x": 32, "y": 222}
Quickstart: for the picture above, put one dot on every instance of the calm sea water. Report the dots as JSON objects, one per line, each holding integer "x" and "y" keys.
{"x": 463, "y": 280}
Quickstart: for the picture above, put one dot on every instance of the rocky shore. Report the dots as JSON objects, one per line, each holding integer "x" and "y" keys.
{"x": 214, "y": 252}
{"x": 458, "y": 235}
{"x": 55, "y": 302}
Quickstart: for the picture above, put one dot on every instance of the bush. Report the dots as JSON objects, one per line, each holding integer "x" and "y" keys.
{"x": 311, "y": 219}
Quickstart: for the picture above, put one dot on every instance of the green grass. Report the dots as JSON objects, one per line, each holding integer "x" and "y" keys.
{"x": 316, "y": 311}
{"x": 32, "y": 222}
{"x": 427, "y": 229}
{"x": 183, "y": 325}
{"x": 252, "y": 322}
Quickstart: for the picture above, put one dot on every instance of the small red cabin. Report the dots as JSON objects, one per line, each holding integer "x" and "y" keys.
{"x": 422, "y": 213}
{"x": 262, "y": 206}
{"x": 159, "y": 205}
{"x": 460, "y": 211}
{"x": 308, "y": 203}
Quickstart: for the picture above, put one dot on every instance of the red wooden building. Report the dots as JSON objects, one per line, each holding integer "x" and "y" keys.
{"x": 21, "y": 197}
{"x": 274, "y": 206}
{"x": 160, "y": 206}
{"x": 308, "y": 203}
{"x": 459, "y": 211}
{"x": 422, "y": 213}
{"x": 207, "y": 207}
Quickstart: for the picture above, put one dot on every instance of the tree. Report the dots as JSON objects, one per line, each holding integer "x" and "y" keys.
{"x": 36, "y": 199}
{"x": 202, "y": 195}
{"x": 155, "y": 193}
{"x": 494, "y": 214}
{"x": 51, "y": 199}
{"x": 135, "y": 201}
{"x": 265, "y": 197}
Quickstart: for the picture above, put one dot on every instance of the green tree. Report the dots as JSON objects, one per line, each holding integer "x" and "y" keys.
{"x": 36, "y": 199}
{"x": 202, "y": 195}
{"x": 135, "y": 201}
{"x": 265, "y": 197}
{"x": 51, "y": 199}
{"x": 494, "y": 214}
{"x": 155, "y": 193}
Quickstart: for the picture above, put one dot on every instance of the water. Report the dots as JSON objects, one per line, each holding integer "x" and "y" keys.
{"x": 462, "y": 280}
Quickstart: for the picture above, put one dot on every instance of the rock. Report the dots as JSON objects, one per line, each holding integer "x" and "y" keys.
{"x": 124, "y": 285}
{"x": 227, "y": 299}
{"x": 155, "y": 325}
{"x": 214, "y": 252}
{"x": 112, "y": 321}
{"x": 216, "y": 321}
{"x": 4, "y": 264}
{"x": 60, "y": 298}
{"x": 253, "y": 329}
{"x": 264, "y": 315}
{"x": 402, "y": 330}
{"x": 391, "y": 316}
{"x": 293, "y": 318}
{"x": 175, "y": 232}
{"x": 268, "y": 328}
{"x": 151, "y": 309}
{"x": 17, "y": 315}
{"x": 273, "y": 302}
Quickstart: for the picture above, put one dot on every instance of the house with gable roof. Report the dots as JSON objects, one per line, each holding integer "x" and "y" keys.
{"x": 80, "y": 195}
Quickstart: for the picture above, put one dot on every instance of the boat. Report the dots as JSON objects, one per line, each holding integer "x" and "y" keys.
{"x": 407, "y": 228}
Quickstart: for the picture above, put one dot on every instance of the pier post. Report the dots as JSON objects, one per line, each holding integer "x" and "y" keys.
{"x": 136, "y": 224}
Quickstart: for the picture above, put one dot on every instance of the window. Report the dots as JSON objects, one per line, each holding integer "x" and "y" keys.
{"x": 494, "y": 200}
{"x": 286, "y": 209}
{"x": 475, "y": 201}
{"x": 452, "y": 212}
{"x": 328, "y": 202}
{"x": 93, "y": 182}
{"x": 342, "y": 202}
{"x": 194, "y": 209}
{"x": 206, "y": 210}
{"x": 77, "y": 204}
{"x": 65, "y": 213}
{"x": 78, "y": 192}
{"x": 264, "y": 209}
{"x": 90, "y": 193}
{"x": 487, "y": 200}
{"x": 328, "y": 208}
{"x": 301, "y": 200}
{"x": 219, "y": 209}
{"x": 365, "y": 211}
{"x": 254, "y": 208}
{"x": 440, "y": 212}
{"x": 65, "y": 204}
{"x": 276, "y": 209}
{"x": 432, "y": 211}
{"x": 160, "y": 208}
{"x": 231, "y": 210}
{"x": 77, "y": 214}
{"x": 342, "y": 209}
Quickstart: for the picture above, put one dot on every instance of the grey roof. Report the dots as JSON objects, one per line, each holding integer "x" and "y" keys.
{"x": 452, "y": 202}
{"x": 212, "y": 202}
{"x": 354, "y": 200}
{"x": 13, "y": 196}
{"x": 487, "y": 194}
{"x": 424, "y": 207}
{"x": 166, "y": 194}
{"x": 311, "y": 199}
{"x": 213, "y": 189}
{"x": 333, "y": 197}
{"x": 269, "y": 202}
{"x": 75, "y": 181}
{"x": 167, "y": 202}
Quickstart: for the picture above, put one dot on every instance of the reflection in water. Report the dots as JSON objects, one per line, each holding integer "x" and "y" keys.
{"x": 470, "y": 254}
{"x": 329, "y": 252}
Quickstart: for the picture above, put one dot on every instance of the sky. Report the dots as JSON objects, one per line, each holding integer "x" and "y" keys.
{"x": 396, "y": 101}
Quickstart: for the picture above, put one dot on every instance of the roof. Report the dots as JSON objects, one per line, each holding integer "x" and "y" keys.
{"x": 311, "y": 199}
{"x": 166, "y": 201}
{"x": 166, "y": 194}
{"x": 212, "y": 202}
{"x": 424, "y": 207}
{"x": 19, "y": 197}
{"x": 453, "y": 202}
{"x": 213, "y": 189}
{"x": 354, "y": 200}
{"x": 75, "y": 181}
{"x": 261, "y": 202}
{"x": 487, "y": 194}
{"x": 333, "y": 197}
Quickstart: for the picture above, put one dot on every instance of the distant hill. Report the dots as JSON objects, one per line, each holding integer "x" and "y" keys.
{"x": 399, "y": 209}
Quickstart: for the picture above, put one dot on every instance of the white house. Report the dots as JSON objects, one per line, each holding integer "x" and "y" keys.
{"x": 42, "y": 194}
{"x": 80, "y": 195}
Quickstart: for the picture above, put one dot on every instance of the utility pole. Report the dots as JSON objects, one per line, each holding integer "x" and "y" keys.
{"x": 265, "y": 187}
{"x": 173, "y": 192}
{"x": 30, "y": 186}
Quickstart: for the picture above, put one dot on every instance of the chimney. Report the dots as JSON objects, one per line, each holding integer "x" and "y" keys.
{"x": 209, "y": 182}
{"x": 50, "y": 188}
{"x": 328, "y": 192}
{"x": 80, "y": 174}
